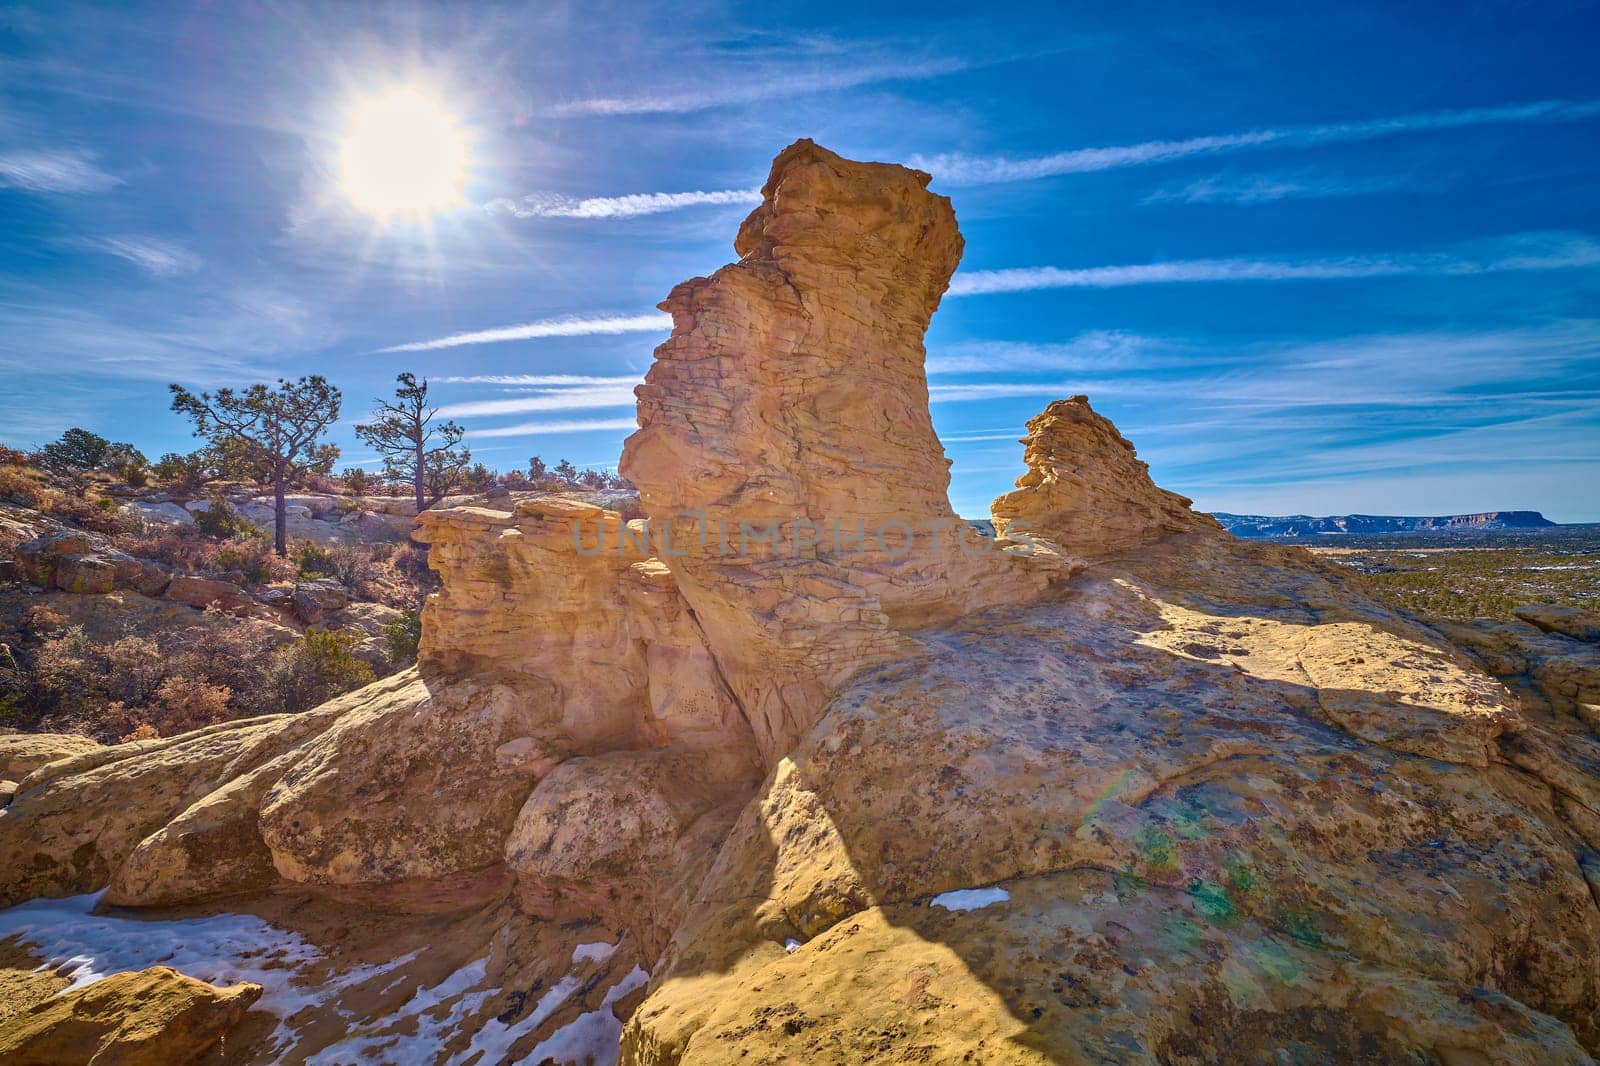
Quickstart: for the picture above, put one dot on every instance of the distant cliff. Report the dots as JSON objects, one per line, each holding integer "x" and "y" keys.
{"x": 1300, "y": 525}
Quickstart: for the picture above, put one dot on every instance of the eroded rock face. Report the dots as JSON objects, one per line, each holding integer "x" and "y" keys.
{"x": 621, "y": 839}
{"x": 157, "y": 1017}
{"x": 1207, "y": 855}
{"x": 1086, "y": 491}
{"x": 562, "y": 601}
{"x": 791, "y": 403}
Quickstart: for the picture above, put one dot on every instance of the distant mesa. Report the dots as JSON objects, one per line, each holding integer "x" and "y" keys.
{"x": 1301, "y": 525}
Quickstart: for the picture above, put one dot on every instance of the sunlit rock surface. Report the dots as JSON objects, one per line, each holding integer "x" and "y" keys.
{"x": 785, "y": 440}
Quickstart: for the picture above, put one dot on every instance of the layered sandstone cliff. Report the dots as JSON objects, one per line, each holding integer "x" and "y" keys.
{"x": 1112, "y": 787}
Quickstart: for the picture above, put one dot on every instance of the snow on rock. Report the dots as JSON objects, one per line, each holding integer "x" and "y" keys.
{"x": 595, "y": 1038}
{"x": 599, "y": 951}
{"x": 222, "y": 949}
{"x": 969, "y": 899}
{"x": 433, "y": 1015}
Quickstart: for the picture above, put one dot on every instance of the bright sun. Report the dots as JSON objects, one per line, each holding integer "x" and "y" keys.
{"x": 403, "y": 154}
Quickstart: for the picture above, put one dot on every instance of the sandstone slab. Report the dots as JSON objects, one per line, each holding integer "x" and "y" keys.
{"x": 157, "y": 1017}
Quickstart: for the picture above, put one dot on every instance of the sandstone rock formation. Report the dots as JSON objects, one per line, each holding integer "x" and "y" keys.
{"x": 157, "y": 1017}
{"x": 786, "y": 447}
{"x": 1207, "y": 852}
{"x": 23, "y": 753}
{"x": 1086, "y": 492}
{"x": 1115, "y": 787}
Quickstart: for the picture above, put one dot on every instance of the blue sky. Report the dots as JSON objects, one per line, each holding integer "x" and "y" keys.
{"x": 1330, "y": 260}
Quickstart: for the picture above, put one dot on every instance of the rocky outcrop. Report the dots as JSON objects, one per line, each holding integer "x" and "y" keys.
{"x": 23, "y": 753}
{"x": 74, "y": 822}
{"x": 786, "y": 455}
{"x": 1086, "y": 492}
{"x": 157, "y": 1017}
{"x": 85, "y": 564}
{"x": 620, "y": 839}
{"x": 562, "y": 601}
{"x": 1566, "y": 621}
{"x": 1194, "y": 848}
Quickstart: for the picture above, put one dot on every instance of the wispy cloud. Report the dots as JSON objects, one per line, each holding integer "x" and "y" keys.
{"x": 1526, "y": 251}
{"x": 1265, "y": 188}
{"x": 1010, "y": 389}
{"x": 537, "y": 379}
{"x": 161, "y": 258}
{"x": 589, "y": 425}
{"x": 1093, "y": 350}
{"x": 570, "y": 326}
{"x": 769, "y": 82}
{"x": 552, "y": 205}
{"x": 54, "y": 172}
{"x": 960, "y": 169}
{"x": 973, "y": 438}
{"x": 573, "y": 399}
{"x": 1283, "y": 425}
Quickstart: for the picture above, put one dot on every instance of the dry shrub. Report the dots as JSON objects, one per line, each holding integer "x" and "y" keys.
{"x": 185, "y": 548}
{"x": 19, "y": 482}
{"x": 42, "y": 619}
{"x": 182, "y": 704}
{"x": 100, "y": 515}
{"x": 411, "y": 562}
{"x": 10, "y": 539}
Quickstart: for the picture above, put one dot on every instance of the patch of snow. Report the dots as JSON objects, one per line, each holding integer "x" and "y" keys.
{"x": 438, "y": 1013}
{"x": 969, "y": 899}
{"x": 221, "y": 949}
{"x": 599, "y": 951}
{"x": 595, "y": 1038}
{"x": 791, "y": 945}
{"x": 493, "y": 1042}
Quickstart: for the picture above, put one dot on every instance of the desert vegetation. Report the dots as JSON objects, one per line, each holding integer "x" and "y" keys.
{"x": 307, "y": 618}
{"x": 1482, "y": 576}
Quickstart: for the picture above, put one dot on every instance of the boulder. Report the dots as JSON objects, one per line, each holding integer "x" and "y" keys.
{"x": 37, "y": 560}
{"x": 84, "y": 574}
{"x": 75, "y": 821}
{"x": 196, "y": 591}
{"x": 23, "y": 753}
{"x": 407, "y": 787}
{"x": 1567, "y": 621}
{"x": 615, "y": 839}
{"x": 144, "y": 576}
{"x": 159, "y": 514}
{"x": 155, "y": 1017}
{"x": 312, "y": 599}
{"x": 374, "y": 526}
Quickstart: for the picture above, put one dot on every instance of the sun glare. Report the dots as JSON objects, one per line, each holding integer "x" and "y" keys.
{"x": 404, "y": 155}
